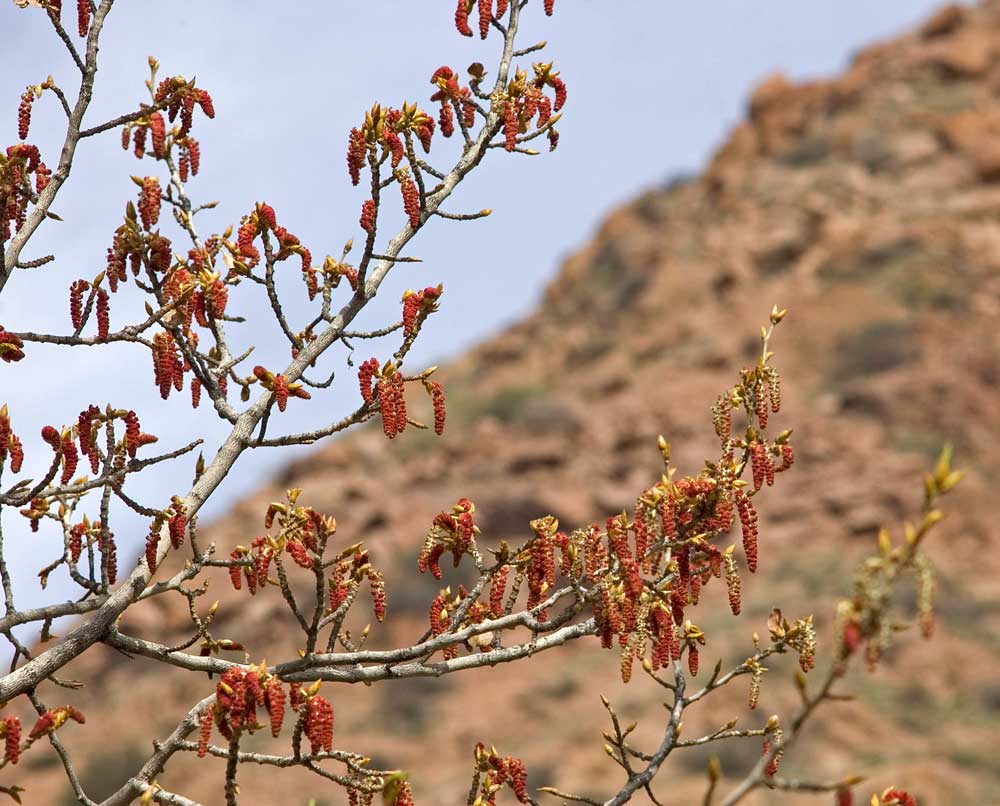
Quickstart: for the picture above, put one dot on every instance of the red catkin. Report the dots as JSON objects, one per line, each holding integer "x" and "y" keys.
{"x": 485, "y": 17}
{"x": 103, "y": 315}
{"x": 110, "y": 553}
{"x": 437, "y": 399}
{"x": 281, "y": 391}
{"x": 12, "y": 738}
{"x": 205, "y": 730}
{"x": 462, "y": 18}
{"x": 758, "y": 462}
{"x": 83, "y": 16}
{"x": 395, "y": 145}
{"x": 158, "y": 133}
{"x": 787, "y": 457}
{"x": 319, "y": 724}
{"x": 379, "y": 598}
{"x": 411, "y": 201}
{"x": 16, "y": 453}
{"x": 24, "y": 113}
{"x": 236, "y": 571}
{"x": 132, "y": 433}
{"x": 356, "y": 154}
{"x": 560, "y": 89}
{"x": 748, "y": 522}
{"x": 139, "y": 142}
{"x": 367, "y": 219}
{"x": 510, "y": 125}
{"x": 149, "y": 202}
{"x": 152, "y": 543}
{"x": 446, "y": 119}
{"x": 205, "y": 102}
{"x": 177, "y": 525}
{"x": 366, "y": 372}
{"x": 71, "y": 457}
{"x": 498, "y": 587}
{"x": 76, "y": 292}
{"x": 405, "y": 796}
{"x": 275, "y": 700}
{"x": 193, "y": 152}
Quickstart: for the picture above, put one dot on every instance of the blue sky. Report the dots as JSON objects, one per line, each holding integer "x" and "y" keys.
{"x": 653, "y": 88}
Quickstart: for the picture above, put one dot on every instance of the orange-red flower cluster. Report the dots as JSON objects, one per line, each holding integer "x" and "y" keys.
{"x": 168, "y": 369}
{"x": 16, "y": 168}
{"x": 450, "y": 531}
{"x": 417, "y": 305}
{"x": 485, "y": 10}
{"x": 24, "y": 113}
{"x": 318, "y": 726}
{"x": 182, "y": 96}
{"x": 527, "y": 102}
{"x": 437, "y": 400}
{"x": 238, "y": 695}
{"x": 10, "y": 444}
{"x": 149, "y": 202}
{"x": 53, "y": 719}
{"x": 452, "y": 96}
{"x": 497, "y": 771}
{"x": 10, "y": 730}
{"x": 392, "y": 402}
{"x": 279, "y": 385}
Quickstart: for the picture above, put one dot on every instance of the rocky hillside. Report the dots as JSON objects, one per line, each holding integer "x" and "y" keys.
{"x": 869, "y": 205}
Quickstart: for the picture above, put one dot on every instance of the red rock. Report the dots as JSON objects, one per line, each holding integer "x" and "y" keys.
{"x": 975, "y": 134}
{"x": 944, "y": 21}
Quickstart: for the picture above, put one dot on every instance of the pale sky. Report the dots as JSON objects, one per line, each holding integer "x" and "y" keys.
{"x": 653, "y": 87}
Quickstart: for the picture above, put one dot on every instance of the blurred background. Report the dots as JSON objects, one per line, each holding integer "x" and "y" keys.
{"x": 714, "y": 159}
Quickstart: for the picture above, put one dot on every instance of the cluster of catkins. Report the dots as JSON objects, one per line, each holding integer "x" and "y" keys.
{"x": 451, "y": 531}
{"x": 492, "y": 772}
{"x": 177, "y": 96}
{"x": 262, "y": 223}
{"x": 90, "y": 534}
{"x": 488, "y": 11}
{"x": 191, "y": 288}
{"x": 347, "y": 576}
{"x": 456, "y": 101}
{"x": 83, "y": 14}
{"x": 10, "y": 443}
{"x": 526, "y": 101}
{"x": 889, "y": 797}
{"x": 445, "y": 605}
{"x": 417, "y": 306}
{"x": 138, "y": 245}
{"x": 387, "y": 134}
{"x": 175, "y": 517}
{"x": 46, "y": 724}
{"x": 17, "y": 166}
{"x": 20, "y": 162}
{"x": 303, "y": 534}
{"x": 396, "y": 792}
{"x": 238, "y": 695}
{"x": 647, "y": 569}
{"x": 11, "y": 346}
{"x": 279, "y": 385}
{"x": 383, "y": 386}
